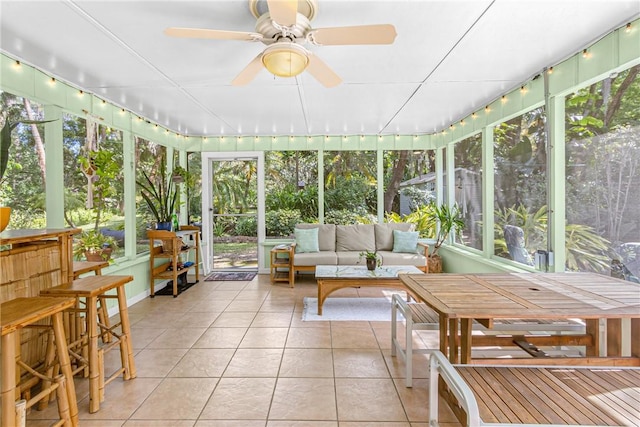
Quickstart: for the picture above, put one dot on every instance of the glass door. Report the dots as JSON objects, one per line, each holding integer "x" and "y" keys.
{"x": 233, "y": 212}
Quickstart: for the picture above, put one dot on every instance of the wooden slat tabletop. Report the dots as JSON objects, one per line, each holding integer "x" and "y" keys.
{"x": 527, "y": 295}
{"x": 583, "y": 396}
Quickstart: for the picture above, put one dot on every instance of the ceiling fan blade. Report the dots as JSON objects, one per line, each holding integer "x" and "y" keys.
{"x": 201, "y": 33}
{"x": 249, "y": 72}
{"x": 284, "y": 12}
{"x": 321, "y": 71}
{"x": 363, "y": 34}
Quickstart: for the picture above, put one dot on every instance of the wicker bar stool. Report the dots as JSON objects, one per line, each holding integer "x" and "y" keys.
{"x": 16, "y": 315}
{"x": 91, "y": 289}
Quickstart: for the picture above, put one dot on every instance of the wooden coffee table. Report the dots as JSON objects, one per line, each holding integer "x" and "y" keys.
{"x": 333, "y": 277}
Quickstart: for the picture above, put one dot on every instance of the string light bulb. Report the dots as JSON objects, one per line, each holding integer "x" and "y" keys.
{"x": 503, "y": 99}
{"x": 627, "y": 28}
{"x": 550, "y": 70}
{"x": 586, "y": 54}
{"x": 487, "y": 109}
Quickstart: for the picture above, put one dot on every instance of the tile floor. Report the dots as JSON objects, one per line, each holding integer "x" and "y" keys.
{"x": 229, "y": 354}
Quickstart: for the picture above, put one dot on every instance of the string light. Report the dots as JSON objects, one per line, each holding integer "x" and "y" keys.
{"x": 487, "y": 109}
{"x": 550, "y": 70}
{"x": 462, "y": 122}
{"x": 17, "y": 65}
{"x": 474, "y": 116}
{"x": 627, "y": 28}
{"x": 503, "y": 99}
{"x": 586, "y": 54}
{"x": 523, "y": 90}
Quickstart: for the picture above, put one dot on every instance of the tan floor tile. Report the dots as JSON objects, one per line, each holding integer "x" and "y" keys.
{"x": 368, "y": 399}
{"x": 244, "y": 305}
{"x": 397, "y": 367}
{"x": 352, "y": 337}
{"x": 304, "y": 399}
{"x": 230, "y": 423}
{"x": 309, "y": 338}
{"x": 141, "y": 337}
{"x": 251, "y": 362}
{"x": 415, "y": 399}
{"x": 236, "y": 319}
{"x": 177, "y": 338}
{"x": 157, "y": 362}
{"x": 221, "y": 338}
{"x": 375, "y": 424}
{"x": 177, "y": 399}
{"x": 158, "y": 423}
{"x": 121, "y": 399}
{"x": 203, "y": 363}
{"x": 271, "y": 320}
{"x": 240, "y": 399}
{"x": 302, "y": 424}
{"x": 353, "y": 363}
{"x": 265, "y": 338}
{"x": 304, "y": 362}
{"x": 196, "y": 319}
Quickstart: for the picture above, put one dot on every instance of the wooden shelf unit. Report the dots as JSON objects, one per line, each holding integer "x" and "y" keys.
{"x": 282, "y": 258}
{"x": 174, "y": 244}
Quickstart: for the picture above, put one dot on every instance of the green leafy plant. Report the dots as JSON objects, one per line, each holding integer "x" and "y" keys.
{"x": 94, "y": 242}
{"x": 449, "y": 219}
{"x": 371, "y": 256}
{"x": 159, "y": 192}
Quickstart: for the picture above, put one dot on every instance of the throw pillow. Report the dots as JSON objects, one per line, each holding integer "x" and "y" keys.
{"x": 306, "y": 240}
{"x": 405, "y": 241}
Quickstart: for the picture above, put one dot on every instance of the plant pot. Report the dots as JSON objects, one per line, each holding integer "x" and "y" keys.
{"x": 5, "y": 214}
{"x": 101, "y": 255}
{"x": 371, "y": 264}
{"x": 164, "y": 225}
{"x": 435, "y": 263}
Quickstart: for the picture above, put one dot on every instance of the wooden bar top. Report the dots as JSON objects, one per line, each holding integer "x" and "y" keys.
{"x": 20, "y": 312}
{"x": 88, "y": 286}
{"x": 11, "y": 237}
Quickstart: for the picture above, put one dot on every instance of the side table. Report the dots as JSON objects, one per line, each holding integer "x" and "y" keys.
{"x": 282, "y": 258}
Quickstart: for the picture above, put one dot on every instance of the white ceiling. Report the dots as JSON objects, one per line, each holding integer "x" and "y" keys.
{"x": 448, "y": 59}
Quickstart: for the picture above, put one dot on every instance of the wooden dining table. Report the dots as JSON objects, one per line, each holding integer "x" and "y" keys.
{"x": 460, "y": 299}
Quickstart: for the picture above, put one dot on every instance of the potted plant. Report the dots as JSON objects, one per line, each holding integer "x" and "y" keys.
{"x": 372, "y": 259}
{"x": 160, "y": 194}
{"x": 94, "y": 246}
{"x": 449, "y": 219}
{"x": 92, "y": 243}
{"x": 5, "y": 143}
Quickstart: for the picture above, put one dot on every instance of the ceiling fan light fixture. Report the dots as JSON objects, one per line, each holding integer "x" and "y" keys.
{"x": 285, "y": 59}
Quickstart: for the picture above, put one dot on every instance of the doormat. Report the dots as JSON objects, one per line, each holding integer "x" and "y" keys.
{"x": 338, "y": 309}
{"x": 231, "y": 276}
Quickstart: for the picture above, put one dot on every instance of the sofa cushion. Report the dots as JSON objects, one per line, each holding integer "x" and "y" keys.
{"x": 306, "y": 240}
{"x": 384, "y": 234}
{"x": 402, "y": 258}
{"x": 315, "y": 258}
{"x": 350, "y": 258}
{"x": 358, "y": 237}
{"x": 405, "y": 241}
{"x": 326, "y": 235}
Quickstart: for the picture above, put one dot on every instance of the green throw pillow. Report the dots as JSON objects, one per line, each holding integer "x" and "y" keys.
{"x": 306, "y": 239}
{"x": 405, "y": 241}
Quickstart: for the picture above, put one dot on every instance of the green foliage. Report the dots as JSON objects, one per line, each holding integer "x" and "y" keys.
{"x": 92, "y": 241}
{"x": 348, "y": 193}
{"x": 281, "y": 222}
{"x": 159, "y": 192}
{"x": 369, "y": 255}
{"x": 305, "y": 200}
{"x": 247, "y": 226}
{"x": 420, "y": 218}
{"x": 449, "y": 220}
{"x": 344, "y": 216}
{"x": 105, "y": 170}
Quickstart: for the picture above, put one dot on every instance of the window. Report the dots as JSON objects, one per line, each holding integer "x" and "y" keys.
{"x": 520, "y": 186}
{"x": 603, "y": 176}
{"x": 350, "y": 192}
{"x": 94, "y": 196}
{"x": 23, "y": 183}
{"x": 468, "y": 188}
{"x": 291, "y": 184}
{"x": 150, "y": 160}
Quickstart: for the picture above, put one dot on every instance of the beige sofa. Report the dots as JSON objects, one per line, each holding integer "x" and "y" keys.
{"x": 342, "y": 245}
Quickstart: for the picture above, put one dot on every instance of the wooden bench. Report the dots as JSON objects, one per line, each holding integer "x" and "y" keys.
{"x": 419, "y": 316}
{"x": 499, "y": 395}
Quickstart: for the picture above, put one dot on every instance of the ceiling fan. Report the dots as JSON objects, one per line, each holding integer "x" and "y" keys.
{"x": 284, "y": 26}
